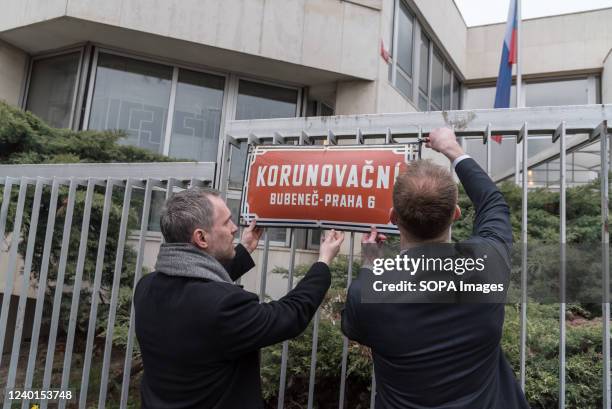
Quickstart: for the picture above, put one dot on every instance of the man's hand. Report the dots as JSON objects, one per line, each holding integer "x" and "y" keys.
{"x": 330, "y": 246}
{"x": 371, "y": 247}
{"x": 444, "y": 140}
{"x": 251, "y": 236}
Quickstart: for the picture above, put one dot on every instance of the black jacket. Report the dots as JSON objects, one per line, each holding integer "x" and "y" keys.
{"x": 200, "y": 339}
{"x": 443, "y": 356}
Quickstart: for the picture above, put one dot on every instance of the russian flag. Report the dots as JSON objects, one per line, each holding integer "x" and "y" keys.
{"x": 508, "y": 58}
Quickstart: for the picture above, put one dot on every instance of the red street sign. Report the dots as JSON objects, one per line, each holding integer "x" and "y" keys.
{"x": 342, "y": 187}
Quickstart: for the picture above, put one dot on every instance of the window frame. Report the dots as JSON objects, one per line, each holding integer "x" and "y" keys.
{"x": 235, "y": 193}
{"x": 74, "y": 120}
{"x": 593, "y": 80}
{"x": 85, "y": 87}
{"x": 418, "y": 30}
{"x": 171, "y": 101}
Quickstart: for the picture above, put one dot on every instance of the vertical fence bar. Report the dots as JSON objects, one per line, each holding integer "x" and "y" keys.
{"x": 23, "y": 296}
{"x": 264, "y": 266}
{"x": 6, "y": 198}
{"x": 563, "y": 238}
{"x": 331, "y": 140}
{"x": 12, "y": 262}
{"x": 285, "y": 353}
{"x": 59, "y": 289}
{"x": 108, "y": 345}
{"x": 129, "y": 349}
{"x": 313, "y": 358}
{"x": 605, "y": 265}
{"x": 42, "y": 285}
{"x": 517, "y": 163}
{"x": 76, "y": 293}
{"x": 373, "y": 390}
{"x": 488, "y": 142}
{"x": 93, "y": 312}
{"x": 523, "y": 319}
{"x": 345, "y": 340}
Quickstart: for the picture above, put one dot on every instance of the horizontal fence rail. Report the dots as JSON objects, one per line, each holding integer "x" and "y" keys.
{"x": 90, "y": 222}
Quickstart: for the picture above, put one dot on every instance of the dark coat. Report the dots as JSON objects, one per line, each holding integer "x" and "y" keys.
{"x": 443, "y": 356}
{"x": 200, "y": 339}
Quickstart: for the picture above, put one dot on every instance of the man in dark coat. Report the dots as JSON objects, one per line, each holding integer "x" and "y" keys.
{"x": 438, "y": 355}
{"x": 199, "y": 333}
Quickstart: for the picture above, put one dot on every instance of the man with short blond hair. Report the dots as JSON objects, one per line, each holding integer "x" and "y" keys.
{"x": 434, "y": 350}
{"x": 424, "y": 198}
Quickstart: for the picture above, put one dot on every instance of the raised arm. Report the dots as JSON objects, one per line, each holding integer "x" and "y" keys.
{"x": 492, "y": 218}
{"x": 243, "y": 324}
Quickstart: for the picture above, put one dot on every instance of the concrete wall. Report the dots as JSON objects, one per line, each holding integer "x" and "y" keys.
{"x": 337, "y": 36}
{"x": 606, "y": 79}
{"x": 570, "y": 42}
{"x": 17, "y": 13}
{"x": 448, "y": 26}
{"x": 439, "y": 18}
{"x": 388, "y": 99}
{"x": 12, "y": 72}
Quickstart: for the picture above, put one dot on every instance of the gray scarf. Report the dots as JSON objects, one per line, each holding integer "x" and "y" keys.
{"x": 186, "y": 260}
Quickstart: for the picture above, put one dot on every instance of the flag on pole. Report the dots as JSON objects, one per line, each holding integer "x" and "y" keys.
{"x": 508, "y": 59}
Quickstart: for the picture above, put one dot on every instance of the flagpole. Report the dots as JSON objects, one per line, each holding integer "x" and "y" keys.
{"x": 519, "y": 86}
{"x": 519, "y": 72}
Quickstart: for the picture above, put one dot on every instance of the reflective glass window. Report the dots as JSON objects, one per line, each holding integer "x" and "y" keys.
{"x": 436, "y": 82}
{"x": 197, "y": 116}
{"x": 133, "y": 96}
{"x": 404, "y": 44}
{"x": 52, "y": 88}
{"x": 259, "y": 101}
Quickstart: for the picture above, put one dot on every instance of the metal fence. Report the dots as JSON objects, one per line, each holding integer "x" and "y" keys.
{"x": 49, "y": 182}
{"x": 110, "y": 179}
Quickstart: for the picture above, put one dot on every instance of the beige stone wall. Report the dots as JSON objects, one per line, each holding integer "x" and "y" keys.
{"x": 337, "y": 36}
{"x": 17, "y": 13}
{"x": 448, "y": 26}
{"x": 571, "y": 42}
{"x": 606, "y": 79}
{"x": 12, "y": 72}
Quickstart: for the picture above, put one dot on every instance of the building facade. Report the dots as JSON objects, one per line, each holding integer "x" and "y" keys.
{"x": 171, "y": 74}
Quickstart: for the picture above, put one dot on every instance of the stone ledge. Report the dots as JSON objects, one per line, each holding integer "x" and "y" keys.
{"x": 372, "y": 4}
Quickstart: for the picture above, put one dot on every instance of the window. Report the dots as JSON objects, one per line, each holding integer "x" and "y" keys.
{"x": 52, "y": 88}
{"x": 436, "y": 83}
{"x": 484, "y": 97}
{"x": 313, "y": 239}
{"x": 570, "y": 91}
{"x": 447, "y": 88}
{"x": 416, "y": 60}
{"x": 318, "y": 108}
{"x": 197, "y": 116}
{"x": 402, "y": 55}
{"x": 555, "y": 93}
{"x": 131, "y": 95}
{"x": 259, "y": 101}
{"x": 456, "y": 93}
{"x": 234, "y": 206}
{"x": 165, "y": 108}
{"x": 424, "y": 73}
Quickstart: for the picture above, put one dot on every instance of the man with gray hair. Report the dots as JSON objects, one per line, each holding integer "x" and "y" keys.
{"x": 199, "y": 333}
